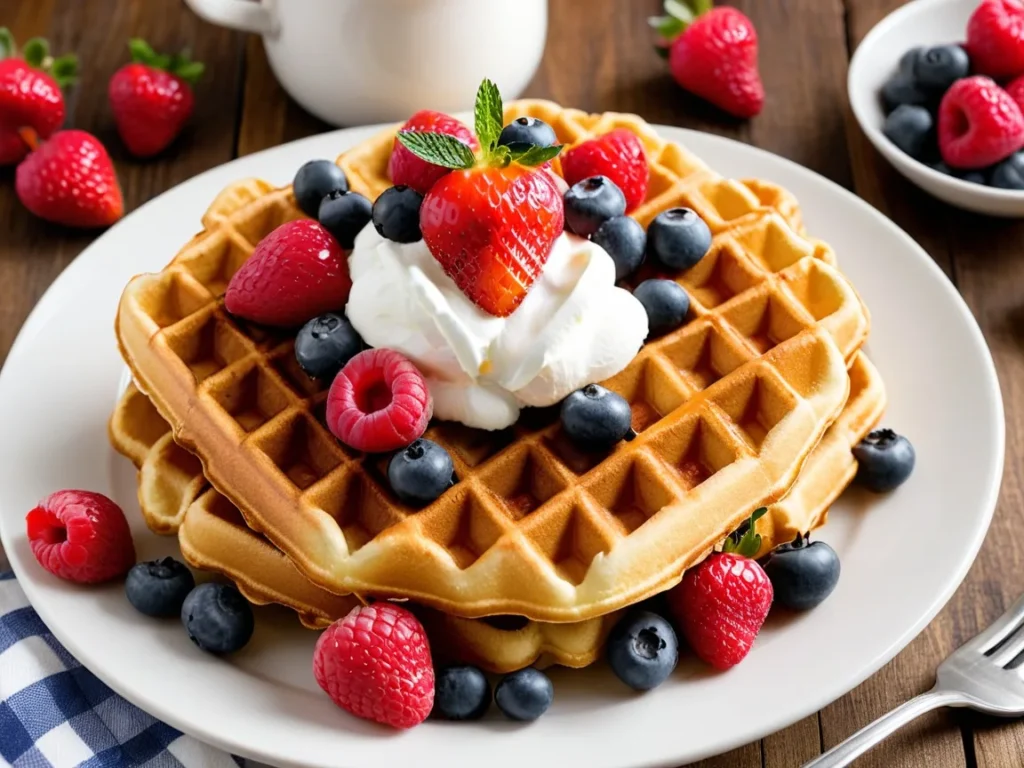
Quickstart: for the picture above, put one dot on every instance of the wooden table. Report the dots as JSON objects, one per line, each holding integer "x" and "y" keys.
{"x": 599, "y": 58}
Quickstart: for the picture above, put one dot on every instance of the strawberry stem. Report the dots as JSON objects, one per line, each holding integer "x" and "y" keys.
{"x": 180, "y": 64}
{"x": 30, "y": 137}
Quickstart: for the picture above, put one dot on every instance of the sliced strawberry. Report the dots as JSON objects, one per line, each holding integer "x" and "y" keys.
{"x": 619, "y": 155}
{"x": 406, "y": 168}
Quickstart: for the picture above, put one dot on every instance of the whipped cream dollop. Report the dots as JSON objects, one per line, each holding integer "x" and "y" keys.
{"x": 573, "y": 328}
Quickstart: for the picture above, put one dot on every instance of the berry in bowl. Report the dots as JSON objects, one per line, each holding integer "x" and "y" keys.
{"x": 938, "y": 88}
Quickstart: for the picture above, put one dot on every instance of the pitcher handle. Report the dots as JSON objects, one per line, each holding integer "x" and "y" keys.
{"x": 243, "y": 15}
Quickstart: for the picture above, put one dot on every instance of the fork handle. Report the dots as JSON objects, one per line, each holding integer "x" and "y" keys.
{"x": 873, "y": 734}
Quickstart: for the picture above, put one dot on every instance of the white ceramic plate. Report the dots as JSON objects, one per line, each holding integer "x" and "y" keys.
{"x": 925, "y": 23}
{"x": 903, "y": 555}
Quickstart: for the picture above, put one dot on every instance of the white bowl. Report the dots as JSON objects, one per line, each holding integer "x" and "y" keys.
{"x": 922, "y": 22}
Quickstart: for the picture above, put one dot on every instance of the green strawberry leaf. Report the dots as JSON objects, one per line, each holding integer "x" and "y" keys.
{"x": 700, "y": 7}
{"x": 536, "y": 155}
{"x": 683, "y": 11}
{"x": 438, "y": 148}
{"x": 668, "y": 27}
{"x": 749, "y": 543}
{"x": 141, "y": 51}
{"x": 190, "y": 72}
{"x": 65, "y": 70}
{"x": 488, "y": 116}
{"x": 7, "y": 46}
{"x": 35, "y": 52}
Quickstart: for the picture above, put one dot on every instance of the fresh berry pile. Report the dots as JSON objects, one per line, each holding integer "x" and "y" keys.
{"x": 958, "y": 107}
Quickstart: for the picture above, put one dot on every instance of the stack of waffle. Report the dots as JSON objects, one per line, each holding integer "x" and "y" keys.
{"x": 533, "y": 554}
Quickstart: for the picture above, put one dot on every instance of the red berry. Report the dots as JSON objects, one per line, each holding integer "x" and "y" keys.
{"x": 979, "y": 124}
{"x": 1015, "y": 89}
{"x": 716, "y": 59}
{"x": 378, "y": 402}
{"x": 70, "y": 180}
{"x": 150, "y": 106}
{"x": 619, "y": 155}
{"x": 296, "y": 273}
{"x": 375, "y": 663}
{"x": 81, "y": 536}
{"x": 406, "y": 168}
{"x": 492, "y": 230}
{"x": 720, "y": 607}
{"x": 29, "y": 98}
{"x": 995, "y": 38}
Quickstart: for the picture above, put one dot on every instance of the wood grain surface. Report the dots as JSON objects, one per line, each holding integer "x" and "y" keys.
{"x": 598, "y": 57}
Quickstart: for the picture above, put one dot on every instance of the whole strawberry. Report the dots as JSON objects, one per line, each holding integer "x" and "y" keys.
{"x": 30, "y": 93}
{"x": 70, "y": 180}
{"x": 712, "y": 53}
{"x": 492, "y": 221}
{"x": 409, "y": 169}
{"x": 721, "y": 604}
{"x": 995, "y": 38}
{"x": 619, "y": 156}
{"x": 296, "y": 273}
{"x": 375, "y": 663}
{"x": 152, "y": 98}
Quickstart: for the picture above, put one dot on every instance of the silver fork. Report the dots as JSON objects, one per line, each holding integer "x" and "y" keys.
{"x": 983, "y": 674}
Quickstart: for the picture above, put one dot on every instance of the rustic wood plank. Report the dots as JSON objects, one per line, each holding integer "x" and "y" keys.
{"x": 794, "y": 745}
{"x": 33, "y": 253}
{"x": 748, "y": 756}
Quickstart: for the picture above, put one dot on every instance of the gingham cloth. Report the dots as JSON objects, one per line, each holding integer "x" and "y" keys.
{"x": 54, "y": 713}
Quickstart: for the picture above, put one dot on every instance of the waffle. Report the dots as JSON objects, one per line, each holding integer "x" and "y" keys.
{"x": 727, "y": 408}
{"x": 214, "y": 536}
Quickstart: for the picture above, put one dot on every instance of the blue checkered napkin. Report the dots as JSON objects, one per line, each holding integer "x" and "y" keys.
{"x": 55, "y": 714}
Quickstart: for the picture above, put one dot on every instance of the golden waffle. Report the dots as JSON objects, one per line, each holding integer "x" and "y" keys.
{"x": 214, "y": 536}
{"x": 728, "y": 408}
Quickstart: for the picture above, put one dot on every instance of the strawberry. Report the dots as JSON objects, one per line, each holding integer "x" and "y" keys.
{"x": 619, "y": 156}
{"x": 30, "y": 93}
{"x": 296, "y": 273}
{"x": 152, "y": 98}
{"x": 712, "y": 52}
{"x": 979, "y": 124}
{"x": 69, "y": 180}
{"x": 492, "y": 221}
{"x": 407, "y": 168}
{"x": 721, "y": 604}
{"x": 995, "y": 38}
{"x": 375, "y": 663}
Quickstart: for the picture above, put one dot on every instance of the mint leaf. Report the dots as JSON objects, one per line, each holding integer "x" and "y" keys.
{"x": 501, "y": 157}
{"x": 488, "y": 116}
{"x": 438, "y": 148}
{"x": 190, "y": 72}
{"x": 7, "y": 47}
{"x": 65, "y": 70}
{"x": 35, "y": 52}
{"x": 536, "y": 155}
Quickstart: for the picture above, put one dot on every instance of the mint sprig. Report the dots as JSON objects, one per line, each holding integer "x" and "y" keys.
{"x": 449, "y": 152}
{"x": 749, "y": 543}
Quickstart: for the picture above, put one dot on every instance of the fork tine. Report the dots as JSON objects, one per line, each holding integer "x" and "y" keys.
{"x": 1007, "y": 653}
{"x": 999, "y": 629}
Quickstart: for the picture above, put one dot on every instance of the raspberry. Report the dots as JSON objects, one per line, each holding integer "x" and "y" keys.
{"x": 378, "y": 402}
{"x": 619, "y": 155}
{"x": 995, "y": 38}
{"x": 1015, "y": 88}
{"x": 375, "y": 663}
{"x": 81, "y": 536}
{"x": 405, "y": 168}
{"x": 979, "y": 124}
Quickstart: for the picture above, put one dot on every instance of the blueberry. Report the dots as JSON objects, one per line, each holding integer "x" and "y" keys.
{"x": 591, "y": 202}
{"x": 937, "y": 68}
{"x": 666, "y": 303}
{"x": 901, "y": 89}
{"x": 421, "y": 472}
{"x": 643, "y": 650}
{"x": 217, "y": 617}
{"x": 625, "y": 241}
{"x": 524, "y": 132}
{"x": 396, "y": 214}
{"x": 461, "y": 693}
{"x": 344, "y": 214}
{"x": 596, "y": 418}
{"x": 912, "y": 129}
{"x": 314, "y": 181}
{"x": 524, "y": 695}
{"x": 1009, "y": 174}
{"x": 159, "y": 587}
{"x": 325, "y": 344}
{"x": 975, "y": 177}
{"x": 802, "y": 574}
{"x": 678, "y": 238}
{"x": 884, "y": 460}
{"x": 908, "y": 59}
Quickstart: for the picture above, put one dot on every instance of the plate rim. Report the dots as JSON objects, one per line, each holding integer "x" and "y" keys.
{"x": 741, "y": 735}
